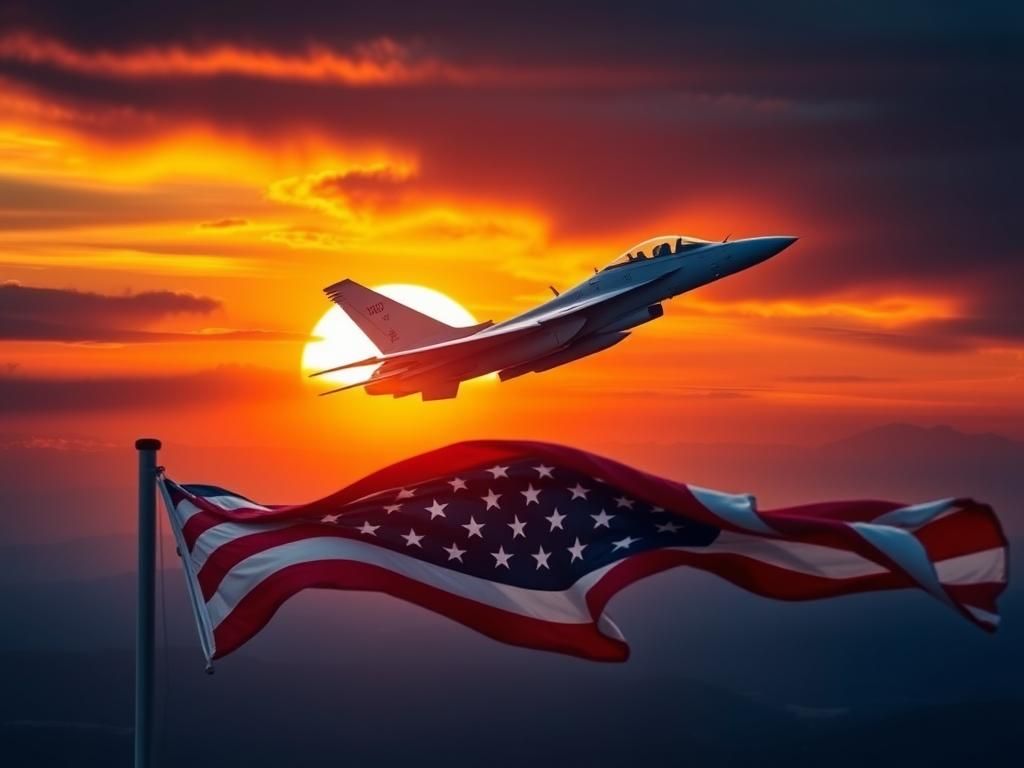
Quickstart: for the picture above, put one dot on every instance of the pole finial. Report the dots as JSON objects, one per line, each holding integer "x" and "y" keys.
{"x": 147, "y": 444}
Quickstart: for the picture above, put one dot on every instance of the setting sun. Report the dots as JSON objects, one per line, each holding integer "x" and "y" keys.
{"x": 339, "y": 340}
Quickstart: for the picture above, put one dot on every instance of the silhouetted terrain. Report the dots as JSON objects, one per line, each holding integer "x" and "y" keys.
{"x": 74, "y": 710}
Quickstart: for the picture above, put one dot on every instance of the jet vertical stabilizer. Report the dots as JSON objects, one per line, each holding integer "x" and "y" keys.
{"x": 391, "y": 326}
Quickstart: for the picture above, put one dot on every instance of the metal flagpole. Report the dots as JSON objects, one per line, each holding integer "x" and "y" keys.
{"x": 147, "y": 448}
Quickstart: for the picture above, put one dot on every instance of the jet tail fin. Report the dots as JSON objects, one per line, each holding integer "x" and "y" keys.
{"x": 391, "y": 326}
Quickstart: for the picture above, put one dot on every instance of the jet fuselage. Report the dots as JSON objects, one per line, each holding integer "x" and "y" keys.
{"x": 587, "y": 318}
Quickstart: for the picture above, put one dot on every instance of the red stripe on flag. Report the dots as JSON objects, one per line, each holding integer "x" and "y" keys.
{"x": 257, "y": 608}
{"x": 972, "y": 528}
{"x": 754, "y": 575}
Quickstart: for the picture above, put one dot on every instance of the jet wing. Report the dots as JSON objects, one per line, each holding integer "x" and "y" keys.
{"x": 464, "y": 344}
{"x": 494, "y": 334}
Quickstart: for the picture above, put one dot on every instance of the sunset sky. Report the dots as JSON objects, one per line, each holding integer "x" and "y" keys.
{"x": 177, "y": 187}
{"x": 180, "y": 181}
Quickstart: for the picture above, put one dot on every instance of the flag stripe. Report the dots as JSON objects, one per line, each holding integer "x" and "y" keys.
{"x": 259, "y": 605}
{"x": 977, "y": 567}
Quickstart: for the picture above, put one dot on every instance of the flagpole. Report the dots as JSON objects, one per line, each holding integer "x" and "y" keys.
{"x": 145, "y": 612}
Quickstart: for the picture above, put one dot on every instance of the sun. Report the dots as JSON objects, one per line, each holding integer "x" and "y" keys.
{"x": 339, "y": 340}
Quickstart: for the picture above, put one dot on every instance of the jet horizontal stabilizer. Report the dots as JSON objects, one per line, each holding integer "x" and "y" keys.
{"x": 342, "y": 389}
{"x": 356, "y": 364}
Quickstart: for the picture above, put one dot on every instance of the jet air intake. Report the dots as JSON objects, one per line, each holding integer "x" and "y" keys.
{"x": 585, "y": 346}
{"x": 634, "y": 318}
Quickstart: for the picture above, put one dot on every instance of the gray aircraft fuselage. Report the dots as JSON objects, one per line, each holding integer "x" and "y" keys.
{"x": 589, "y": 317}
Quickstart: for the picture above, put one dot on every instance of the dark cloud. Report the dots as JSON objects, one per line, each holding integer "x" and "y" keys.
{"x": 836, "y": 379}
{"x": 80, "y": 307}
{"x": 29, "y": 313}
{"x": 226, "y": 223}
{"x": 21, "y": 395}
{"x": 30, "y": 205}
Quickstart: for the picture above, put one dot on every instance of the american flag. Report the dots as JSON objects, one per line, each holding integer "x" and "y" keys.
{"x": 527, "y": 542}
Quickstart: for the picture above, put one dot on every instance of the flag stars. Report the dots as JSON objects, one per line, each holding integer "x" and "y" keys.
{"x": 579, "y": 492}
{"x": 543, "y": 471}
{"x": 542, "y": 558}
{"x": 412, "y": 539}
{"x": 491, "y": 499}
{"x": 501, "y": 558}
{"x": 518, "y": 527}
{"x": 602, "y": 519}
{"x": 577, "y": 550}
{"x": 368, "y": 530}
{"x": 623, "y": 543}
{"x": 473, "y": 527}
{"x": 457, "y": 484}
{"x": 330, "y": 518}
{"x": 556, "y": 520}
{"x": 404, "y": 493}
{"x": 668, "y": 527}
{"x": 498, "y": 471}
{"x": 436, "y": 510}
{"x": 624, "y": 503}
{"x": 532, "y": 495}
{"x": 392, "y": 508}
{"x": 454, "y": 553}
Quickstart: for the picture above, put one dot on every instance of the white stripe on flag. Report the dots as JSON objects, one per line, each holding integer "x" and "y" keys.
{"x": 812, "y": 559}
{"x": 983, "y": 615}
{"x": 213, "y": 538}
{"x": 906, "y": 551}
{"x": 234, "y": 502}
{"x": 988, "y": 566}
{"x": 737, "y": 509}
{"x": 916, "y": 515}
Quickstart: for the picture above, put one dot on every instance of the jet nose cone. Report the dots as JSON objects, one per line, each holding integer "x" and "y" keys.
{"x": 762, "y": 248}
{"x": 776, "y": 244}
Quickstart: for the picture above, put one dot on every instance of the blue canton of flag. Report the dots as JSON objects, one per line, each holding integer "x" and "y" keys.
{"x": 523, "y": 523}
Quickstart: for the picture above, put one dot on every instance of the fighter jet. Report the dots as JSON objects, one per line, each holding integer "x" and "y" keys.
{"x": 421, "y": 354}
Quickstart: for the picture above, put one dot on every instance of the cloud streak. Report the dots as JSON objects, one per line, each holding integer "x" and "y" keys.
{"x": 381, "y": 62}
{"x": 31, "y": 395}
{"x": 29, "y": 313}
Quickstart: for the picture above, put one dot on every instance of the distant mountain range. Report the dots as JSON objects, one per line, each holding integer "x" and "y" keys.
{"x": 941, "y": 440}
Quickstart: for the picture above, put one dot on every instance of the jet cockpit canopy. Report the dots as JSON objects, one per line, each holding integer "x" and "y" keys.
{"x": 656, "y": 247}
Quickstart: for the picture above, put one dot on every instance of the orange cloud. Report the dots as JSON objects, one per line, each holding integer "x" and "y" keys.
{"x": 343, "y": 193}
{"x": 382, "y": 202}
{"x": 883, "y": 311}
{"x": 379, "y": 62}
